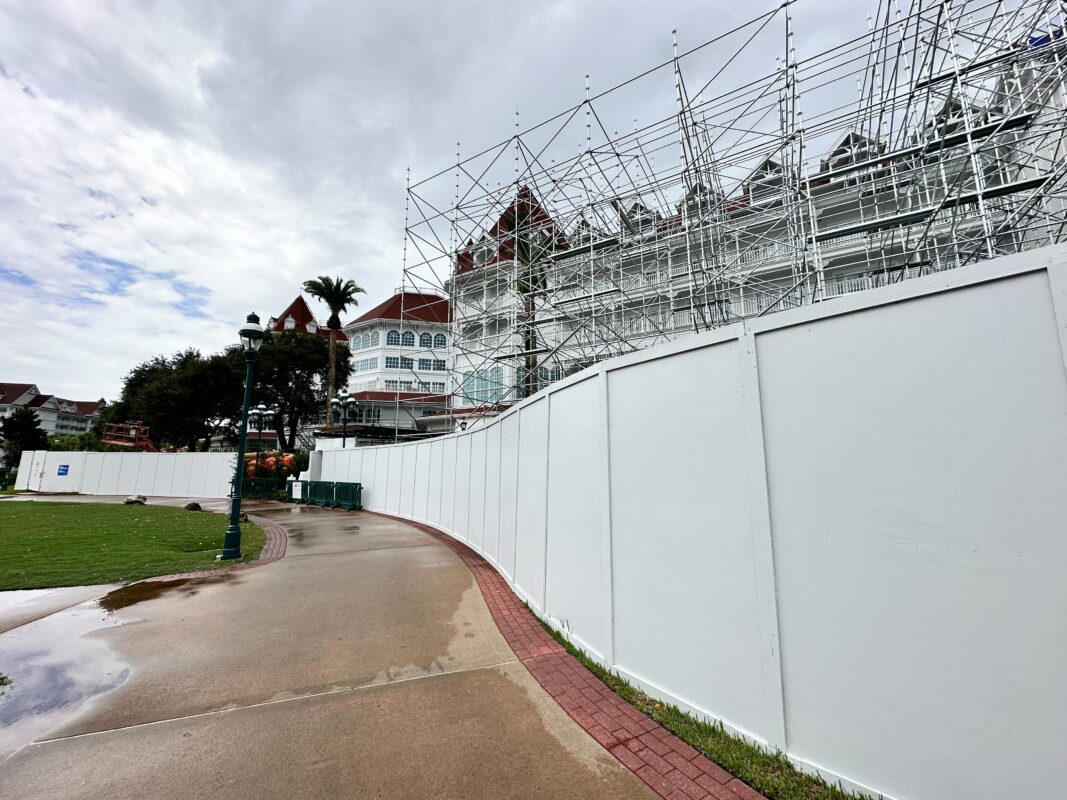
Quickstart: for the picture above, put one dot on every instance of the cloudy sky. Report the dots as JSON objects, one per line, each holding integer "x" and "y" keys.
{"x": 166, "y": 167}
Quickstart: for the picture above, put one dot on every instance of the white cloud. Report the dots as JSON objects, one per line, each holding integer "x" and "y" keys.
{"x": 168, "y": 167}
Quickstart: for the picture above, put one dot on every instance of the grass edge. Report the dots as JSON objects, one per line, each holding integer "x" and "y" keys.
{"x": 770, "y": 773}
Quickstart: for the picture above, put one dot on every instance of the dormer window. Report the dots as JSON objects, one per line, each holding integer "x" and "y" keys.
{"x": 289, "y": 324}
{"x": 311, "y": 327}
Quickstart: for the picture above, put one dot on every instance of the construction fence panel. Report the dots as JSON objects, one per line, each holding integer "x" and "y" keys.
{"x": 421, "y": 481}
{"x": 433, "y": 493}
{"x": 491, "y": 505}
{"x": 508, "y": 496}
{"x": 407, "y": 481}
{"x": 397, "y": 455}
{"x": 476, "y": 492}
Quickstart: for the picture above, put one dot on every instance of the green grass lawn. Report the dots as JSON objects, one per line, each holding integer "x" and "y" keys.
{"x": 45, "y": 544}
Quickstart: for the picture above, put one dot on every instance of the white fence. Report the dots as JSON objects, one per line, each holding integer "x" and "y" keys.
{"x": 156, "y": 474}
{"x": 840, "y": 530}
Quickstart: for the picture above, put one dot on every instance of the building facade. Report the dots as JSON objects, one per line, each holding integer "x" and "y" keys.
{"x": 59, "y": 417}
{"x": 543, "y": 293}
{"x": 401, "y": 366}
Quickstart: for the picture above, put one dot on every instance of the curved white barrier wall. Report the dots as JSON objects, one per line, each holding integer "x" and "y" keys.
{"x": 840, "y": 530}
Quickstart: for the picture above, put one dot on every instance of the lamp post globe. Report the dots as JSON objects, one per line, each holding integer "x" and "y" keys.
{"x": 344, "y": 411}
{"x": 251, "y": 337}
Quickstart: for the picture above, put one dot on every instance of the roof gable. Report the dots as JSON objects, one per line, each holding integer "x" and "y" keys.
{"x": 410, "y": 306}
{"x": 303, "y": 320}
{"x": 11, "y": 392}
{"x": 524, "y": 213}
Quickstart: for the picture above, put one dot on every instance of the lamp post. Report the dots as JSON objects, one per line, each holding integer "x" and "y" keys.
{"x": 344, "y": 412}
{"x": 251, "y": 338}
{"x": 260, "y": 418}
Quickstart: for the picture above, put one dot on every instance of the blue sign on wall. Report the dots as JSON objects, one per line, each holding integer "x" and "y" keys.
{"x": 63, "y": 469}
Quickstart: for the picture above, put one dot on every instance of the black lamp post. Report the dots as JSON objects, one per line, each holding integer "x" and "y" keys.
{"x": 260, "y": 418}
{"x": 251, "y": 338}
{"x": 344, "y": 412}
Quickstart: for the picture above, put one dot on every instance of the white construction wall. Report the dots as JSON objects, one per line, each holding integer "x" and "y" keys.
{"x": 154, "y": 474}
{"x": 840, "y": 530}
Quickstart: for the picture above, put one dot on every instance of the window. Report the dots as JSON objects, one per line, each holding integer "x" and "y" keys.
{"x": 392, "y": 362}
{"x": 392, "y": 338}
{"x": 423, "y": 386}
{"x": 374, "y": 339}
{"x": 437, "y": 388}
{"x": 426, "y": 363}
{"x": 408, "y": 339}
{"x": 439, "y": 365}
{"x": 364, "y": 341}
{"x": 425, "y": 340}
{"x": 369, "y": 416}
{"x": 406, "y": 386}
{"x": 439, "y": 340}
{"x": 484, "y": 385}
{"x": 365, "y": 364}
{"x": 406, "y": 363}
{"x": 391, "y": 385}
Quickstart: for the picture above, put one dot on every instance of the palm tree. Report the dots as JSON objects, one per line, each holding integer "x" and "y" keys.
{"x": 338, "y": 296}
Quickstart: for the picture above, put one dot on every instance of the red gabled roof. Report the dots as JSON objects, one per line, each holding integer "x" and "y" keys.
{"x": 39, "y": 400}
{"x": 10, "y": 392}
{"x": 89, "y": 407}
{"x": 301, "y": 313}
{"x": 525, "y": 211}
{"x": 410, "y": 306}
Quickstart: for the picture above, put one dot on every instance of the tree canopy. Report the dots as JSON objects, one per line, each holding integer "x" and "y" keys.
{"x": 338, "y": 295}
{"x": 185, "y": 399}
{"x": 21, "y": 431}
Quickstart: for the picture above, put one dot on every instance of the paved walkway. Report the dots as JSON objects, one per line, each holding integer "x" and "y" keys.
{"x": 365, "y": 663}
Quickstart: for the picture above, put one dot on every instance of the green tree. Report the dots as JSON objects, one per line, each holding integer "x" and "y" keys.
{"x": 292, "y": 371}
{"x": 21, "y": 431}
{"x": 185, "y": 399}
{"x": 88, "y": 441}
{"x": 338, "y": 296}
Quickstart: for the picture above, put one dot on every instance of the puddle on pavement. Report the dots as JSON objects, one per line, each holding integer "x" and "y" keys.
{"x": 134, "y": 593}
{"x": 54, "y": 666}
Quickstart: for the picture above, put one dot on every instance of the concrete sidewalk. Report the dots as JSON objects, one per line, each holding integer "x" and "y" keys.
{"x": 363, "y": 664}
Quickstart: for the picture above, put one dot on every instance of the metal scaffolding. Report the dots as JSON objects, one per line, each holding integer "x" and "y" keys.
{"x": 932, "y": 140}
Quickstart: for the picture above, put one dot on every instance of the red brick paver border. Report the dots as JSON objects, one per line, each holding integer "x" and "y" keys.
{"x": 668, "y": 765}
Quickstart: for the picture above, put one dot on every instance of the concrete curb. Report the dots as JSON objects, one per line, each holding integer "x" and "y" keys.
{"x": 670, "y": 767}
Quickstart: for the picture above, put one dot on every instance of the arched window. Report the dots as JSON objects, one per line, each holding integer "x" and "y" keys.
{"x": 439, "y": 340}
{"x": 408, "y": 339}
{"x": 374, "y": 339}
{"x": 364, "y": 342}
{"x": 425, "y": 340}
{"x": 393, "y": 338}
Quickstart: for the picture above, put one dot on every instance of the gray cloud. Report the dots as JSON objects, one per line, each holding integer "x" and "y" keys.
{"x": 228, "y": 151}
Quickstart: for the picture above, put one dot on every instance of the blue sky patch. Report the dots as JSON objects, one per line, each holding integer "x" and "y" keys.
{"x": 14, "y": 276}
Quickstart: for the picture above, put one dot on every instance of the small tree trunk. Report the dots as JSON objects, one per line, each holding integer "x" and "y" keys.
{"x": 331, "y": 375}
{"x": 279, "y": 429}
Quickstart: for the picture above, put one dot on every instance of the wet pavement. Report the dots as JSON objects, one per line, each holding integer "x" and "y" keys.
{"x": 363, "y": 664}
